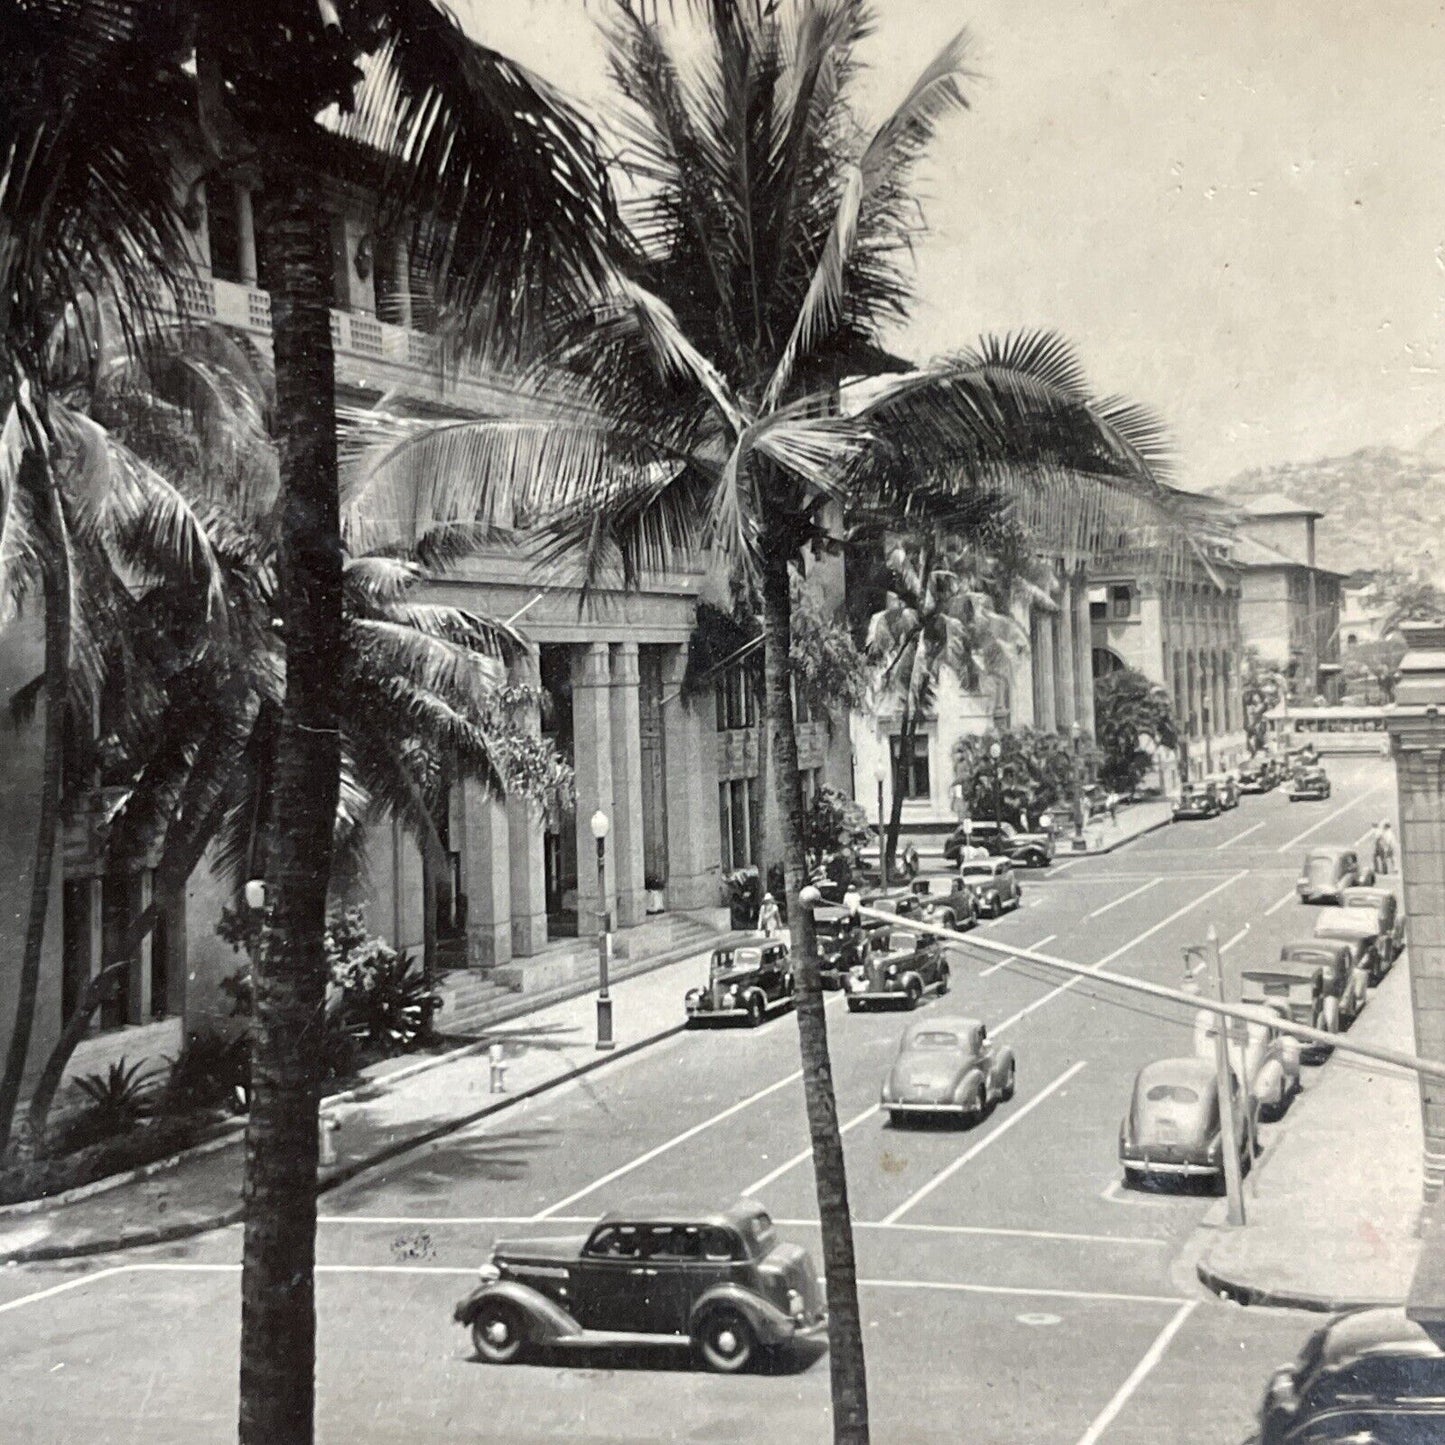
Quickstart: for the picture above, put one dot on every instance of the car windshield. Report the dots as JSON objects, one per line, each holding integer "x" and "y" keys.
{"x": 935, "y": 1039}
{"x": 1320, "y": 867}
{"x": 978, "y": 870}
{"x": 729, "y": 959}
{"x": 760, "y": 1233}
{"x": 1172, "y": 1094}
{"x": 903, "y": 942}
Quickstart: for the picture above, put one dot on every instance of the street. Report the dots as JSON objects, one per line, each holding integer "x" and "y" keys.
{"x": 1012, "y": 1289}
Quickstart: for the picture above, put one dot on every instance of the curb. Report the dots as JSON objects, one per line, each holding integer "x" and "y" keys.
{"x": 1124, "y": 842}
{"x": 343, "y": 1174}
{"x": 1242, "y": 1293}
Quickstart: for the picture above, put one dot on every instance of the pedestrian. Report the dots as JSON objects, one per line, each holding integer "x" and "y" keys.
{"x": 911, "y": 863}
{"x": 1112, "y": 803}
{"x": 1372, "y": 846}
{"x": 770, "y": 919}
{"x": 1385, "y": 849}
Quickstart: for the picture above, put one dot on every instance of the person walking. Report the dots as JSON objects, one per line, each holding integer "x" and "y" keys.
{"x": 770, "y": 918}
{"x": 1372, "y": 847}
{"x": 1385, "y": 849}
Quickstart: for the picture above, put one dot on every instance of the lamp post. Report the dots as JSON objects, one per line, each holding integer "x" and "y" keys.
{"x": 995, "y": 753}
{"x": 882, "y": 848}
{"x": 600, "y": 827}
{"x": 1077, "y": 734}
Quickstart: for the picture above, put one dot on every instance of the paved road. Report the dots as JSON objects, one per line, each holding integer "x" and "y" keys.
{"x": 1012, "y": 1290}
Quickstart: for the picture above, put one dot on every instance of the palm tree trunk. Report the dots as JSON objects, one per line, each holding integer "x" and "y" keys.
{"x": 907, "y": 727}
{"x": 278, "y": 1303}
{"x": 845, "y": 1330}
{"x": 57, "y": 683}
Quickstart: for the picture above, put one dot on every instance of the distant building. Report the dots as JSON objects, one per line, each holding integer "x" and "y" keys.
{"x": 1290, "y": 606}
{"x": 1362, "y": 611}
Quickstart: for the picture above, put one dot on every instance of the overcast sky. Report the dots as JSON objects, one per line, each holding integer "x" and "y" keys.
{"x": 1235, "y": 208}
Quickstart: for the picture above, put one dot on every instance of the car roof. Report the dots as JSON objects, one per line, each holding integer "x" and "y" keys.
{"x": 952, "y": 1023}
{"x": 1189, "y": 1069}
{"x": 1356, "y": 920}
{"x": 1312, "y": 947}
{"x": 683, "y": 1209}
{"x": 1368, "y": 890}
{"x": 1361, "y": 1332}
{"x": 1328, "y": 850}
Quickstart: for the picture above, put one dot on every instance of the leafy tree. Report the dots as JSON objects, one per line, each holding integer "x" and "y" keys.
{"x": 1404, "y": 597}
{"x": 1376, "y": 665}
{"x": 1035, "y": 772}
{"x": 1127, "y": 709}
{"x": 834, "y": 822}
{"x": 1264, "y": 686}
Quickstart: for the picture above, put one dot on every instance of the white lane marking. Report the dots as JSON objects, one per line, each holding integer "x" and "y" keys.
{"x": 1128, "y": 1241}
{"x": 1140, "y": 1372}
{"x": 1279, "y": 903}
{"x": 994, "y": 967}
{"x": 1033, "y": 902}
{"x": 1142, "y": 888}
{"x": 1173, "y": 918}
{"x": 1328, "y": 818}
{"x": 1016, "y": 1290}
{"x": 433, "y": 1220}
{"x": 672, "y": 1143}
{"x": 1229, "y": 842}
{"x": 923, "y": 1191}
{"x": 1058, "y": 868}
{"x": 1112, "y": 1194}
{"x": 807, "y": 1153}
{"x": 55, "y": 1289}
{"x": 1225, "y": 947}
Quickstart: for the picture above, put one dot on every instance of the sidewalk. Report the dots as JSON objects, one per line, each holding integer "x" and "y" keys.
{"x": 375, "y": 1122}
{"x": 1333, "y": 1204}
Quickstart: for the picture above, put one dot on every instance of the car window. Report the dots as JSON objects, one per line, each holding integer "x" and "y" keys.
{"x": 722, "y": 960}
{"x": 615, "y": 1241}
{"x": 760, "y": 1233}
{"x": 905, "y": 942}
{"x": 935, "y": 1039}
{"x": 748, "y": 957}
{"x": 717, "y": 1244}
{"x": 1172, "y": 1093}
{"x": 673, "y": 1241}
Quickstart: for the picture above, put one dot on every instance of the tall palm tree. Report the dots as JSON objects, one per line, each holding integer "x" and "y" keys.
{"x": 696, "y": 406}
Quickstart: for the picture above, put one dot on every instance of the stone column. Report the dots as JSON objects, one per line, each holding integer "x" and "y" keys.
{"x": 1064, "y": 660}
{"x": 1021, "y": 689}
{"x": 246, "y": 233}
{"x": 690, "y": 778}
{"x": 486, "y": 880}
{"x": 592, "y": 750}
{"x": 1083, "y": 654}
{"x": 1417, "y": 740}
{"x": 625, "y": 842}
{"x": 1045, "y": 666}
{"x": 138, "y": 998}
{"x": 525, "y": 826}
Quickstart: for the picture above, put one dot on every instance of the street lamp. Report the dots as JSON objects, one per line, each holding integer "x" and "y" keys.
{"x": 1077, "y": 734}
{"x": 995, "y": 752}
{"x": 601, "y": 824}
{"x": 882, "y": 849}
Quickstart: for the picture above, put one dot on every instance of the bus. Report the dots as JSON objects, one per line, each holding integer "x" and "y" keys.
{"x": 1343, "y": 728}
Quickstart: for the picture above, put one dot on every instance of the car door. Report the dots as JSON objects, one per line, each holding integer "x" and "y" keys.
{"x": 616, "y": 1285}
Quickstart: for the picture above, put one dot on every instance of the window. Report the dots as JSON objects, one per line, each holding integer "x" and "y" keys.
{"x": 223, "y": 227}
{"x": 673, "y": 1241}
{"x": 911, "y": 772}
{"x": 735, "y": 707}
{"x": 1098, "y": 611}
{"x": 1121, "y": 602}
{"x": 738, "y": 820}
{"x": 802, "y": 709}
{"x": 615, "y": 1241}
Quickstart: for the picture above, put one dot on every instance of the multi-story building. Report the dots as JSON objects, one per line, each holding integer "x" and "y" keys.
{"x": 1289, "y": 604}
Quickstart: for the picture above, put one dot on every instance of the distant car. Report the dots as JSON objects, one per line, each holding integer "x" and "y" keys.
{"x": 900, "y": 968}
{"x": 1266, "y": 1061}
{"x": 1172, "y": 1129}
{"x": 1028, "y": 850}
{"x": 1326, "y": 872}
{"x": 1310, "y": 784}
{"x": 1369, "y": 1377}
{"x": 1358, "y": 927}
{"x": 1257, "y": 775}
{"x": 947, "y": 1066}
{"x": 1389, "y": 914}
{"x": 1346, "y": 978}
{"x": 994, "y": 884}
{"x": 1225, "y": 789}
{"x": 833, "y": 928}
{"x": 669, "y": 1272}
{"x": 957, "y": 909}
{"x": 1196, "y": 800}
{"x": 749, "y": 977}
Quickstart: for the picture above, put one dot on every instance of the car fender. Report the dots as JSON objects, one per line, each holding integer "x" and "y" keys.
{"x": 768, "y": 1321}
{"x": 911, "y": 975}
{"x": 1269, "y": 1083}
{"x": 754, "y": 993}
{"x": 1003, "y": 1060}
{"x": 972, "y": 1079}
{"x": 1290, "y": 1050}
{"x": 546, "y": 1320}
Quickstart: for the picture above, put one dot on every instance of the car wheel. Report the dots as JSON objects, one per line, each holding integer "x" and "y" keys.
{"x": 913, "y": 992}
{"x": 943, "y": 980}
{"x": 1133, "y": 1178}
{"x": 1007, "y": 1092}
{"x": 755, "y": 1011}
{"x": 498, "y": 1332}
{"x": 726, "y": 1341}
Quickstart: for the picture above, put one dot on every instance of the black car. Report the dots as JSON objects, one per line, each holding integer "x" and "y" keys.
{"x": 899, "y": 968}
{"x": 1369, "y": 1375}
{"x": 666, "y": 1271}
{"x": 958, "y": 908}
{"x": 750, "y": 976}
{"x": 1003, "y": 840}
{"x": 842, "y": 942}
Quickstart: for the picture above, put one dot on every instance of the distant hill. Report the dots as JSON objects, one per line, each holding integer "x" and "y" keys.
{"x": 1381, "y": 505}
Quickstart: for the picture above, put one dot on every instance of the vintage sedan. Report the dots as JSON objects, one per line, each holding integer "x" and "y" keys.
{"x": 1328, "y": 869}
{"x": 658, "y": 1271}
{"x": 1390, "y": 915}
{"x": 750, "y": 977}
{"x": 1003, "y": 840}
{"x": 842, "y": 941}
{"x": 994, "y": 883}
{"x": 1310, "y": 784}
{"x": 947, "y": 1067}
{"x": 1225, "y": 789}
{"x": 1346, "y": 978}
{"x": 900, "y": 968}
{"x": 1173, "y": 1130}
{"x": 1372, "y": 1376}
{"x": 1196, "y": 800}
{"x": 1257, "y": 775}
{"x": 1266, "y": 1060}
{"x": 1360, "y": 928}
{"x": 1296, "y": 990}
{"x": 957, "y": 909}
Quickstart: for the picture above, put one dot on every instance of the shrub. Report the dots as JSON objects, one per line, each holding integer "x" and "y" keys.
{"x": 117, "y": 1099}
{"x": 212, "y": 1070}
{"x": 386, "y": 1001}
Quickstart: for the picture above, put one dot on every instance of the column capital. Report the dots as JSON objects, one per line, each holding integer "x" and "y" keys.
{"x": 624, "y": 665}
{"x": 592, "y": 665}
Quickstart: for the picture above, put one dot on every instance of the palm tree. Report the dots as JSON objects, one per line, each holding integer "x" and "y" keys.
{"x": 938, "y": 615}
{"x": 696, "y": 407}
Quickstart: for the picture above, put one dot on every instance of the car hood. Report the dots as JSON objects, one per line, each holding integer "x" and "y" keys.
{"x": 1040, "y": 838}
{"x": 552, "y": 1249}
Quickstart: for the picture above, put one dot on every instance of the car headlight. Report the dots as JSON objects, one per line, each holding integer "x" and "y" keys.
{"x": 731, "y": 996}
{"x": 796, "y": 1307}
{"x": 489, "y": 1273}
{"x": 892, "y": 970}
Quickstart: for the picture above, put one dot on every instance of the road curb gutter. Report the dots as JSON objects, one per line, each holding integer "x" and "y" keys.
{"x": 1241, "y": 1292}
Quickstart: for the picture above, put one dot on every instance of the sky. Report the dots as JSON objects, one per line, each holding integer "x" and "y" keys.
{"x": 1235, "y": 209}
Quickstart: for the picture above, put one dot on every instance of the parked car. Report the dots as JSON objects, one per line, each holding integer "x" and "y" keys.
{"x": 1328, "y": 869}
{"x": 1266, "y": 1061}
{"x": 958, "y": 908}
{"x": 1225, "y": 789}
{"x": 1196, "y": 800}
{"x": 994, "y": 884}
{"x": 1370, "y": 1375}
{"x": 718, "y": 1278}
{"x": 1172, "y": 1129}
{"x": 1310, "y": 784}
{"x": 1358, "y": 927}
{"x": 1257, "y": 775}
{"x": 947, "y": 1066}
{"x": 1390, "y": 915}
{"x": 749, "y": 977}
{"x": 1297, "y": 990}
{"x": 901, "y": 966}
{"x": 1346, "y": 979}
{"x": 1028, "y": 850}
